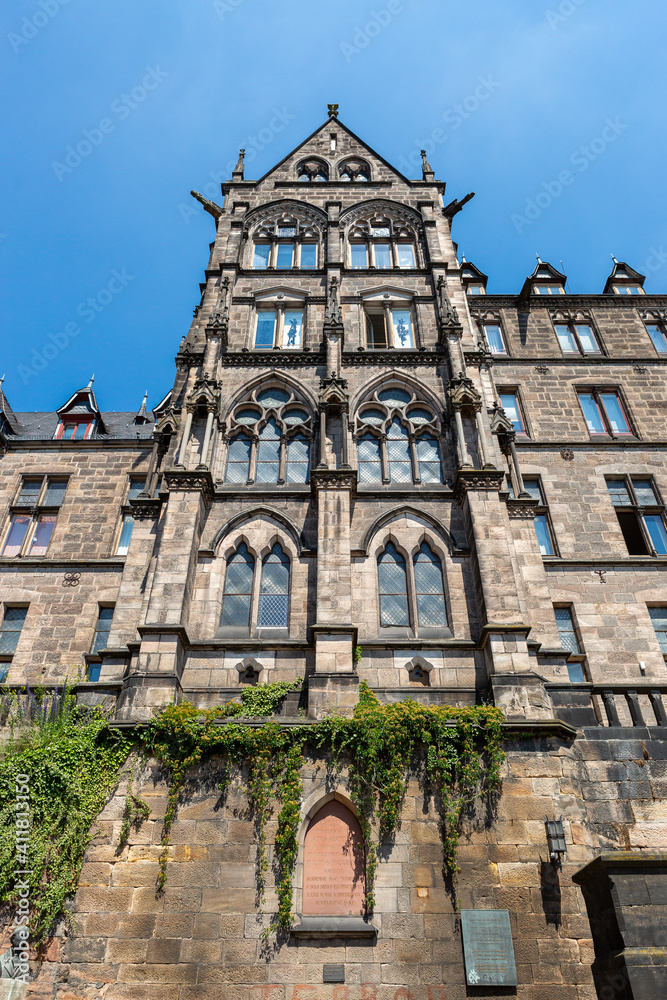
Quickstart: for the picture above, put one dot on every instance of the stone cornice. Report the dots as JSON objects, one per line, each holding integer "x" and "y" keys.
{"x": 272, "y": 359}
{"x": 554, "y": 301}
{"x": 146, "y": 508}
{"x": 395, "y": 358}
{"x": 526, "y": 444}
{"x": 576, "y": 360}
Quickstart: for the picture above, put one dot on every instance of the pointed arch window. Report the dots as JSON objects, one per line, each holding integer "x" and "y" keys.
{"x": 429, "y": 589}
{"x": 428, "y": 458}
{"x": 393, "y": 588}
{"x": 237, "y": 595}
{"x": 268, "y": 454}
{"x": 398, "y": 453}
{"x": 369, "y": 459}
{"x": 298, "y": 460}
{"x": 238, "y": 460}
{"x": 273, "y": 611}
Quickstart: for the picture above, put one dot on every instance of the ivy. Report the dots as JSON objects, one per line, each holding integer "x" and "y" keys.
{"x": 74, "y": 760}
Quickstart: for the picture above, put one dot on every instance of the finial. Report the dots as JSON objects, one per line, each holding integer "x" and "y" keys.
{"x": 614, "y": 259}
{"x": 2, "y": 380}
{"x": 333, "y": 110}
{"x": 237, "y": 173}
{"x": 427, "y": 169}
{"x": 92, "y": 379}
{"x": 463, "y": 258}
{"x": 539, "y": 259}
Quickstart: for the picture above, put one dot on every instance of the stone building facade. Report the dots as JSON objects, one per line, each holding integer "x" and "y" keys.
{"x": 364, "y": 449}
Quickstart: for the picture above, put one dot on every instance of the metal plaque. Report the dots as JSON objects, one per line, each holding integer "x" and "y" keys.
{"x": 488, "y": 948}
{"x": 333, "y": 973}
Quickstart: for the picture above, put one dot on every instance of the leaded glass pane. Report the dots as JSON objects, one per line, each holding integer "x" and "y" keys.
{"x": 292, "y": 328}
{"x": 10, "y": 630}
{"x": 238, "y": 460}
{"x": 392, "y": 587}
{"x": 398, "y": 454}
{"x": 429, "y": 589}
{"x": 238, "y": 588}
{"x": 428, "y": 456}
{"x": 645, "y": 492}
{"x": 273, "y": 398}
{"x": 402, "y": 324}
{"x": 42, "y": 536}
{"x": 374, "y": 417}
{"x": 29, "y": 493}
{"x": 420, "y": 416}
{"x": 266, "y": 325}
{"x": 618, "y": 491}
{"x": 16, "y": 535}
{"x": 298, "y": 458}
{"x": 295, "y": 417}
{"x": 532, "y": 488}
{"x": 273, "y": 611}
{"x": 261, "y": 255}
{"x": 247, "y": 416}
{"x": 287, "y": 231}
{"x": 136, "y": 486}
{"x": 568, "y": 636}
{"x": 368, "y": 460}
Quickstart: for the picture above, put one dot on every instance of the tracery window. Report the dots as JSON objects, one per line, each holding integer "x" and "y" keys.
{"x": 411, "y": 593}
{"x": 270, "y": 439}
{"x": 382, "y": 243}
{"x": 354, "y": 170}
{"x": 286, "y": 241}
{"x": 313, "y": 170}
{"x": 398, "y": 439}
{"x": 272, "y": 609}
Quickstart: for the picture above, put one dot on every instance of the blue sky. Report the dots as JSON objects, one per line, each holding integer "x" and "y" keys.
{"x": 508, "y": 98}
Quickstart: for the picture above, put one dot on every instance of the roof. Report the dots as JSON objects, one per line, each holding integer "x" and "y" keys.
{"x": 41, "y": 426}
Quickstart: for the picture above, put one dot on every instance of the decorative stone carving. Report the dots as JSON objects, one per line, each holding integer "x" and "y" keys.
{"x": 448, "y": 314}
{"x": 476, "y": 480}
{"x": 146, "y": 508}
{"x": 333, "y": 479}
{"x": 567, "y": 454}
{"x": 333, "y": 314}
{"x": 462, "y": 393}
{"x": 187, "y": 482}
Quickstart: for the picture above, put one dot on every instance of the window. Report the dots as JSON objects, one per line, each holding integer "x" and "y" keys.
{"x": 604, "y": 412}
{"x": 429, "y": 589}
{"x": 308, "y": 255}
{"x": 354, "y": 170}
{"x": 656, "y": 332}
{"x": 406, "y": 255}
{"x": 509, "y": 400}
{"x": 577, "y": 338}
{"x": 548, "y": 289}
{"x": 102, "y": 629}
{"x": 392, "y": 588}
{"x": 628, "y": 290}
{"x": 70, "y": 429}
{"x": 545, "y": 538}
{"x": 640, "y": 514}
{"x": 237, "y": 594}
{"x": 659, "y": 620}
{"x": 313, "y": 170}
{"x": 125, "y": 535}
{"x": 284, "y": 255}
{"x": 279, "y": 328}
{"x": 279, "y": 450}
{"x": 273, "y": 610}
{"x": 397, "y": 440}
{"x": 475, "y": 288}
{"x": 494, "y": 338}
{"x": 137, "y": 485}
{"x": 261, "y": 256}
{"x": 10, "y": 630}
{"x": 358, "y": 255}
{"x": 569, "y": 640}
{"x": 389, "y": 328}
{"x": 33, "y": 516}
{"x": 382, "y": 244}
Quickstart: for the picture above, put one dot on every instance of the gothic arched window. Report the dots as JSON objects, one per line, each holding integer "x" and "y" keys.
{"x": 273, "y": 611}
{"x": 273, "y": 446}
{"x": 237, "y": 595}
{"x": 286, "y": 239}
{"x": 380, "y": 239}
{"x": 404, "y": 447}
{"x": 393, "y": 587}
{"x": 429, "y": 589}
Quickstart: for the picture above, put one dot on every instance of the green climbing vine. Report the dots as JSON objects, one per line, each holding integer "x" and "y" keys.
{"x": 74, "y": 760}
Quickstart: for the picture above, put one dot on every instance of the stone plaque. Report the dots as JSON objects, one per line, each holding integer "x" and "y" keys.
{"x": 488, "y": 948}
{"x": 333, "y": 864}
{"x": 333, "y": 973}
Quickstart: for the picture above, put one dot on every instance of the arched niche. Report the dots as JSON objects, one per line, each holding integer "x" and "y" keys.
{"x": 333, "y": 864}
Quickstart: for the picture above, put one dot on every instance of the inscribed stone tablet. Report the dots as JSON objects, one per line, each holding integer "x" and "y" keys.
{"x": 488, "y": 948}
{"x": 333, "y": 864}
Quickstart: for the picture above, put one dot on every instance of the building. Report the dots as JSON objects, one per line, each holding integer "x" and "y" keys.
{"x": 362, "y": 448}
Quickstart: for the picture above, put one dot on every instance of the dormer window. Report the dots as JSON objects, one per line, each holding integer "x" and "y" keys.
{"x": 544, "y": 289}
{"x": 71, "y": 429}
{"x": 474, "y": 288}
{"x": 628, "y": 290}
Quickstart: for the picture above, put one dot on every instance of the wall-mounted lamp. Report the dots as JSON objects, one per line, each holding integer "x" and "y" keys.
{"x": 556, "y": 840}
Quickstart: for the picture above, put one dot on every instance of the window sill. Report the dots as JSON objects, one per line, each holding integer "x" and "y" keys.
{"x": 333, "y": 927}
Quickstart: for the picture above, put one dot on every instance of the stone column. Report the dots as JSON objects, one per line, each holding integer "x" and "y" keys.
{"x": 335, "y": 683}
{"x": 481, "y": 437}
{"x": 464, "y": 457}
{"x": 186, "y": 438}
{"x": 203, "y": 464}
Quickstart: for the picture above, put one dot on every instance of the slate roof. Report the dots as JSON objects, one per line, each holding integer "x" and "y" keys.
{"x": 42, "y": 426}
